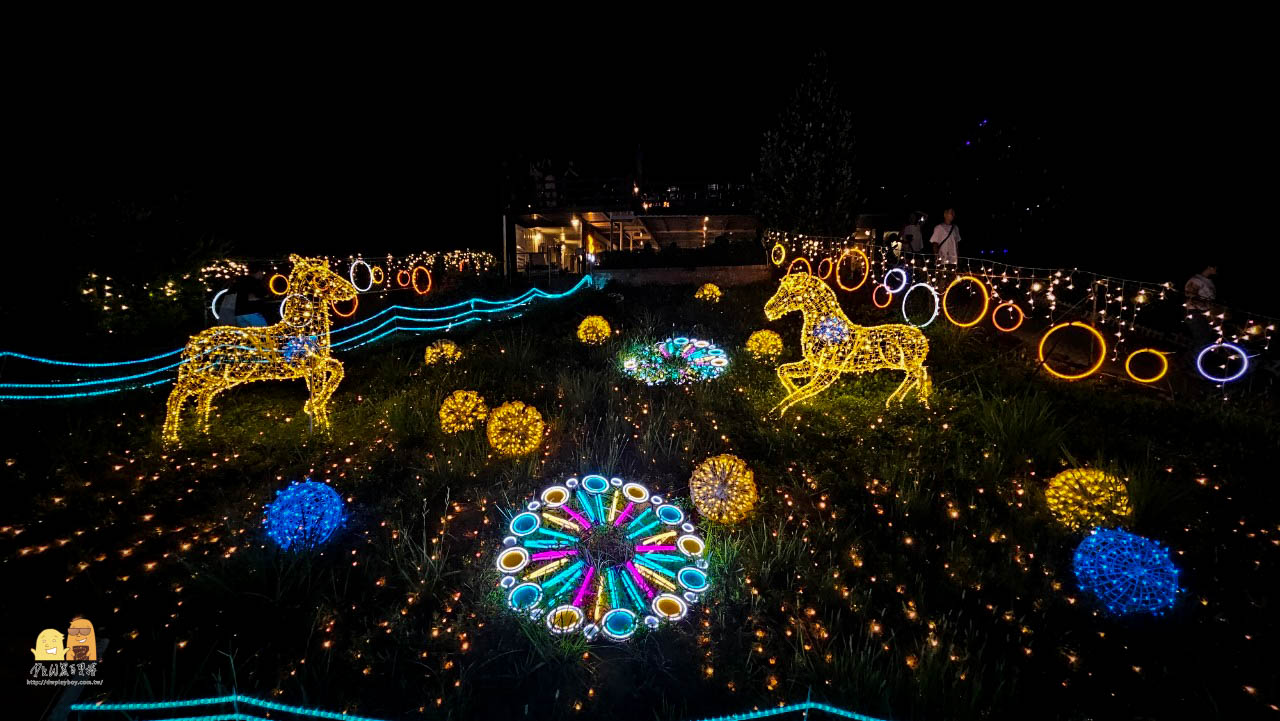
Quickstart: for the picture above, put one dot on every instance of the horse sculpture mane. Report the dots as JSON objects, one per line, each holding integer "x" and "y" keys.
{"x": 297, "y": 347}
{"x": 832, "y": 344}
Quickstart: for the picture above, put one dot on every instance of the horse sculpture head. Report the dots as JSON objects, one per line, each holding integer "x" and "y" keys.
{"x": 312, "y": 278}
{"x": 796, "y": 292}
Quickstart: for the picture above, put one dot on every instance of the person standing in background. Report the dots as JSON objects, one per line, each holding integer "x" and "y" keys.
{"x": 1201, "y": 294}
{"x": 946, "y": 238}
{"x": 912, "y": 235}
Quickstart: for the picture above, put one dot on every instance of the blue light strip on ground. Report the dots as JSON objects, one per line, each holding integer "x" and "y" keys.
{"x": 794, "y": 708}
{"x": 411, "y": 315}
{"x": 220, "y": 700}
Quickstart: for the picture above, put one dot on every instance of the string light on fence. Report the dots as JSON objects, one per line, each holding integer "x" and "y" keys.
{"x": 1013, "y": 307}
{"x": 986, "y": 301}
{"x": 831, "y": 344}
{"x": 1236, "y": 350}
{"x": 223, "y": 357}
{"x": 1164, "y": 365}
{"x": 936, "y": 303}
{"x": 1102, "y": 352}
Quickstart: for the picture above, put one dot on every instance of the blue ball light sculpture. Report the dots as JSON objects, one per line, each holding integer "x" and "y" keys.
{"x": 304, "y": 515}
{"x": 1126, "y": 572}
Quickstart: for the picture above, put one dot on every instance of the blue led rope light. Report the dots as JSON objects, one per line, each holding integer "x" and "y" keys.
{"x": 220, "y": 700}
{"x": 795, "y": 708}
{"x": 413, "y": 315}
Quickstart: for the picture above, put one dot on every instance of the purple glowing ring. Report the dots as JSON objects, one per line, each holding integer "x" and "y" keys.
{"x": 1213, "y": 346}
{"x": 895, "y": 291}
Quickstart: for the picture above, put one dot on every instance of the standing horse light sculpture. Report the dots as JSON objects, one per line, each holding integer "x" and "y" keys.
{"x": 832, "y": 345}
{"x": 297, "y": 347}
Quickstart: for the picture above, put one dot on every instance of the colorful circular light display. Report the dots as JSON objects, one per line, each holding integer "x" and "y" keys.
{"x": 1164, "y": 365}
{"x": 674, "y": 360}
{"x": 1007, "y": 304}
{"x": 936, "y": 303}
{"x": 1126, "y": 572}
{"x": 1244, "y": 365}
{"x": 986, "y": 301}
{"x": 602, "y": 556}
{"x": 1102, "y": 352}
{"x": 866, "y": 268}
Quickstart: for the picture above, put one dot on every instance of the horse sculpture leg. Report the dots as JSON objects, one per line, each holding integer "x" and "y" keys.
{"x": 918, "y": 378}
{"x": 818, "y": 383}
{"x": 204, "y": 406}
{"x": 173, "y": 413}
{"x": 322, "y": 382}
{"x": 787, "y": 371}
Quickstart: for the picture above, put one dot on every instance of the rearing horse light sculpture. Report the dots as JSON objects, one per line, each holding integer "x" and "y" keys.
{"x": 832, "y": 345}
{"x": 297, "y": 347}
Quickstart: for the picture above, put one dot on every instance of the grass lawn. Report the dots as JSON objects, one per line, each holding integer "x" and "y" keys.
{"x": 900, "y": 563}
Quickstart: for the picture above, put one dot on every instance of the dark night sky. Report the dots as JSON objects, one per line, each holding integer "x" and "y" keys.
{"x": 376, "y": 156}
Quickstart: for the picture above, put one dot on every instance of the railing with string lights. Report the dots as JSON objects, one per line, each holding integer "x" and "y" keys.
{"x": 1012, "y": 294}
{"x": 160, "y": 368}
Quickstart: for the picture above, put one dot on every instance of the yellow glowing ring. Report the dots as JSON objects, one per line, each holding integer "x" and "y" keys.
{"x": 355, "y": 303}
{"x": 1102, "y": 354}
{"x": 402, "y": 278}
{"x": 272, "y": 284}
{"x": 888, "y": 296}
{"x": 1164, "y": 365}
{"x": 413, "y": 279}
{"x": 830, "y": 266}
{"x": 1008, "y": 304}
{"x": 986, "y": 301}
{"x": 800, "y": 259}
{"x": 378, "y": 275}
{"x": 866, "y": 269}
{"x": 778, "y": 254}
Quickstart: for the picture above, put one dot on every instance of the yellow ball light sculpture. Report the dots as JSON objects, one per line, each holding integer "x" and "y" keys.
{"x": 442, "y": 351}
{"x": 832, "y": 345}
{"x": 297, "y": 347}
{"x": 594, "y": 330}
{"x": 709, "y": 292}
{"x": 764, "y": 344}
{"x": 515, "y": 429}
{"x": 462, "y": 411}
{"x": 1082, "y": 498}
{"x": 723, "y": 488}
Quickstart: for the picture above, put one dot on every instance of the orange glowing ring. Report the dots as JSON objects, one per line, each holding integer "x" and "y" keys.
{"x": 866, "y": 268}
{"x": 402, "y": 278}
{"x": 986, "y": 301}
{"x": 355, "y": 303}
{"x": 1008, "y": 304}
{"x": 378, "y": 275}
{"x": 778, "y": 254}
{"x": 800, "y": 259}
{"x": 830, "y": 266}
{"x": 888, "y": 296}
{"x": 272, "y": 284}
{"x": 1102, "y": 354}
{"x": 413, "y": 280}
{"x": 1164, "y": 365}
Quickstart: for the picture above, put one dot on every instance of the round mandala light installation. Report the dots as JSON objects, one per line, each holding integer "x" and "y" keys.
{"x": 515, "y": 429}
{"x": 442, "y": 351}
{"x": 1087, "y": 497}
{"x": 674, "y": 360}
{"x": 594, "y": 330}
{"x": 304, "y": 515}
{"x": 462, "y": 411}
{"x": 601, "y": 556}
{"x": 723, "y": 488}
{"x": 709, "y": 292}
{"x": 764, "y": 344}
{"x": 1126, "y": 572}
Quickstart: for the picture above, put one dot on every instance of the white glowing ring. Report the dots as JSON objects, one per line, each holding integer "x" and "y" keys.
{"x": 936, "y": 303}
{"x": 351, "y": 275}
{"x": 286, "y": 300}
{"x": 214, "y": 306}
{"x": 1213, "y": 346}
{"x": 905, "y": 278}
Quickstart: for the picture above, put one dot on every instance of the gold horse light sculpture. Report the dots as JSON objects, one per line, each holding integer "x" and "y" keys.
{"x": 832, "y": 344}
{"x": 297, "y": 347}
